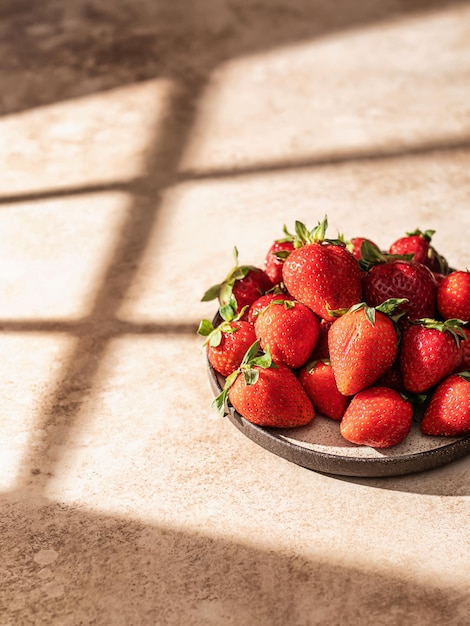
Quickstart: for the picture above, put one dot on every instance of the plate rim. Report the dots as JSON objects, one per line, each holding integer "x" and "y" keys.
{"x": 328, "y": 463}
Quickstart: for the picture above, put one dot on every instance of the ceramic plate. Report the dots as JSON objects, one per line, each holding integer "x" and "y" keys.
{"x": 320, "y": 446}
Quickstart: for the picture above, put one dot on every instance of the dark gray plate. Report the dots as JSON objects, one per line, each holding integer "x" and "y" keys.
{"x": 320, "y": 446}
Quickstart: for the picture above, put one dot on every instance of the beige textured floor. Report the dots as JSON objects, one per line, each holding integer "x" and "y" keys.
{"x": 140, "y": 141}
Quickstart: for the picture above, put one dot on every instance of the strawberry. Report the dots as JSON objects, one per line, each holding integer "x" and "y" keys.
{"x": 266, "y": 394}
{"x": 448, "y": 412}
{"x": 276, "y": 255}
{"x": 290, "y": 330}
{"x": 227, "y": 343}
{"x": 378, "y": 417}
{"x": 363, "y": 345}
{"x": 244, "y": 284}
{"x": 263, "y": 301}
{"x": 416, "y": 243}
{"x": 453, "y": 296}
{"x": 275, "y": 258}
{"x": 430, "y": 350}
{"x": 400, "y": 278}
{"x": 319, "y": 382}
{"x": 320, "y": 273}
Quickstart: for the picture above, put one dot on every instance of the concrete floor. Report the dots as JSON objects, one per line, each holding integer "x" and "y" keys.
{"x": 139, "y": 142}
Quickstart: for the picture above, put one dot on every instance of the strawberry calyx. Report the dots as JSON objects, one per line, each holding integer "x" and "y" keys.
{"x": 279, "y": 289}
{"x": 281, "y": 254}
{"x": 351, "y": 244}
{"x": 465, "y": 375}
{"x": 316, "y": 235}
{"x": 309, "y": 366}
{"x": 418, "y": 401}
{"x": 288, "y": 238}
{"x": 213, "y": 333}
{"x": 371, "y": 255}
{"x": 387, "y": 308}
{"x": 427, "y": 234}
{"x": 223, "y": 290}
{"x": 254, "y": 358}
{"x": 454, "y": 326}
{"x": 288, "y": 304}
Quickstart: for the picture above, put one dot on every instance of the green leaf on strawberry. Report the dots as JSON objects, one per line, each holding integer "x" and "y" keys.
{"x": 453, "y": 326}
{"x": 427, "y": 234}
{"x": 254, "y": 358}
{"x": 316, "y": 235}
{"x": 241, "y": 287}
{"x": 371, "y": 255}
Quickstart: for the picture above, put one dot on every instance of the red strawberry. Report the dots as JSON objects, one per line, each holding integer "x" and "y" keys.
{"x": 227, "y": 343}
{"x": 363, "y": 346}
{"x": 453, "y": 296}
{"x": 290, "y": 330}
{"x": 378, "y": 417}
{"x": 402, "y": 279}
{"x": 319, "y": 382}
{"x": 429, "y": 352}
{"x": 415, "y": 243}
{"x": 262, "y": 302}
{"x": 320, "y": 273}
{"x": 277, "y": 254}
{"x": 244, "y": 284}
{"x": 448, "y": 412}
{"x": 266, "y": 394}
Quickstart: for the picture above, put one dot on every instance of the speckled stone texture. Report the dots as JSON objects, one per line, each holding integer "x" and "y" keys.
{"x": 140, "y": 141}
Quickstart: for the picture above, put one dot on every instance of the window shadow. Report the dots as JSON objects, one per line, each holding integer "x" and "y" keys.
{"x": 52, "y": 51}
{"x": 62, "y": 564}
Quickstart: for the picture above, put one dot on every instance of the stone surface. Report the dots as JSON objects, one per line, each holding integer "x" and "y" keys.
{"x": 140, "y": 142}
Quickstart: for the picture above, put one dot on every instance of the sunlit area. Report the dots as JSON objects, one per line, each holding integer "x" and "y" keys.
{"x": 142, "y": 144}
{"x": 32, "y": 288}
{"x": 96, "y": 141}
{"x": 21, "y": 433}
{"x": 366, "y": 93}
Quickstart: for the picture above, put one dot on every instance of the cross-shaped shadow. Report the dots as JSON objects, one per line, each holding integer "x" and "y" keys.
{"x": 53, "y": 50}
{"x": 185, "y": 42}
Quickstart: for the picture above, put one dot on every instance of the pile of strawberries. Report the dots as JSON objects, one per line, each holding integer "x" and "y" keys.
{"x": 368, "y": 338}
